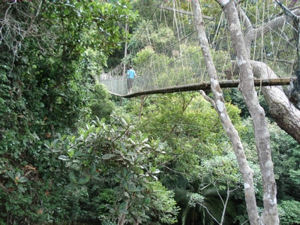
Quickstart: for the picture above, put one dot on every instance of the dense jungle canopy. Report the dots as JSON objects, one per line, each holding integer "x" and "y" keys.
{"x": 71, "y": 153}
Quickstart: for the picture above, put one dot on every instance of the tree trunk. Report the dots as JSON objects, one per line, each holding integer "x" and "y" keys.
{"x": 231, "y": 132}
{"x": 261, "y": 133}
{"x": 285, "y": 114}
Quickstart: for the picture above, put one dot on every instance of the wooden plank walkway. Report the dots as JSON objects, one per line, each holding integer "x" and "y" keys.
{"x": 206, "y": 86}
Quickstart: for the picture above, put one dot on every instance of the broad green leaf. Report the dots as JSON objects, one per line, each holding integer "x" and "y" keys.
{"x": 108, "y": 156}
{"x": 63, "y": 157}
{"x": 84, "y": 180}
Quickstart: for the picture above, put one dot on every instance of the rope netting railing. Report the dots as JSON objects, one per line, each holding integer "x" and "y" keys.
{"x": 159, "y": 71}
{"x": 165, "y": 53}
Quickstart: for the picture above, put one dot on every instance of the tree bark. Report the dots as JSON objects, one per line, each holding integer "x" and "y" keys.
{"x": 285, "y": 114}
{"x": 230, "y": 130}
{"x": 261, "y": 133}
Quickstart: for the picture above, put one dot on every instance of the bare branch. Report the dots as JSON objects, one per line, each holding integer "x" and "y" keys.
{"x": 245, "y": 19}
{"x": 274, "y": 24}
{"x": 207, "y": 98}
{"x": 209, "y": 213}
{"x": 225, "y": 204}
{"x": 13, "y": 29}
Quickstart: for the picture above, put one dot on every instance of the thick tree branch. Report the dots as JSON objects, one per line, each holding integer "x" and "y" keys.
{"x": 274, "y": 24}
{"x": 254, "y": 33}
{"x": 286, "y": 115}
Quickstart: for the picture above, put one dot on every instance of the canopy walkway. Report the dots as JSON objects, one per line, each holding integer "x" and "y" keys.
{"x": 167, "y": 58}
{"x": 117, "y": 86}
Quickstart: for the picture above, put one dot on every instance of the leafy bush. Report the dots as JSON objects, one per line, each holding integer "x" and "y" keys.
{"x": 113, "y": 174}
{"x": 289, "y": 212}
{"x": 44, "y": 87}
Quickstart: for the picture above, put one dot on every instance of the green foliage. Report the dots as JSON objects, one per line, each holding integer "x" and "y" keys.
{"x": 199, "y": 161}
{"x": 168, "y": 160}
{"x": 286, "y": 163}
{"x": 91, "y": 63}
{"x": 146, "y": 9}
{"x": 289, "y": 212}
{"x": 221, "y": 169}
{"x": 116, "y": 166}
{"x": 142, "y": 57}
{"x": 146, "y": 34}
{"x": 164, "y": 202}
{"x": 235, "y": 97}
{"x": 46, "y": 70}
{"x": 285, "y": 155}
{"x": 190, "y": 127}
{"x": 99, "y": 104}
{"x": 210, "y": 7}
{"x": 186, "y": 65}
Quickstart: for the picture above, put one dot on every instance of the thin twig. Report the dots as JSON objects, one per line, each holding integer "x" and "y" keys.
{"x": 207, "y": 98}
{"x": 209, "y": 213}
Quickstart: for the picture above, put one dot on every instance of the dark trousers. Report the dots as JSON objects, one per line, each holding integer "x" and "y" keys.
{"x": 129, "y": 83}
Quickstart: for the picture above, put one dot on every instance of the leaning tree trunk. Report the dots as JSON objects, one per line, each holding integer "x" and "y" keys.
{"x": 261, "y": 133}
{"x": 231, "y": 132}
{"x": 285, "y": 114}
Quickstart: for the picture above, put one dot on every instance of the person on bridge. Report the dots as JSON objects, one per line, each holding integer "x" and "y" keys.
{"x": 130, "y": 78}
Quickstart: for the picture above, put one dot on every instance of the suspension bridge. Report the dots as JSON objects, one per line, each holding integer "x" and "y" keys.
{"x": 118, "y": 86}
{"x": 167, "y": 58}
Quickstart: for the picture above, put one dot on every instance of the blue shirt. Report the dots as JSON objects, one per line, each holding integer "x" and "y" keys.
{"x": 130, "y": 74}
